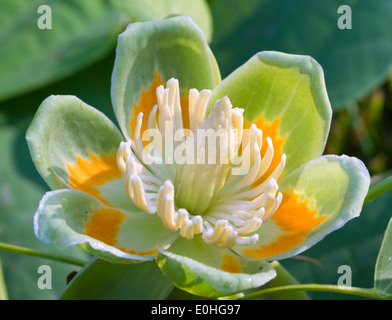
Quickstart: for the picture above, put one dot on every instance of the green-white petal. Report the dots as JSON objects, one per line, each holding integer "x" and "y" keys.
{"x": 73, "y": 145}
{"x": 318, "y": 198}
{"x": 286, "y": 97}
{"x": 69, "y": 217}
{"x": 148, "y": 55}
{"x": 206, "y": 270}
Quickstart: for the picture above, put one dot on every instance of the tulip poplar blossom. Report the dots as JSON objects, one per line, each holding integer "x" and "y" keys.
{"x": 211, "y": 179}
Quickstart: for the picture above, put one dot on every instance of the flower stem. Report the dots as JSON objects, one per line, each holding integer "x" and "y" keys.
{"x": 367, "y": 293}
{"x": 42, "y": 254}
{"x": 378, "y": 189}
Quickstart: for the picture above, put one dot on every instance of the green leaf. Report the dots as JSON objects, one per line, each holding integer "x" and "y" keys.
{"x": 383, "y": 271}
{"x": 82, "y": 32}
{"x": 355, "y": 60}
{"x": 148, "y": 55}
{"x": 143, "y": 281}
{"x": 144, "y": 10}
{"x": 285, "y": 96}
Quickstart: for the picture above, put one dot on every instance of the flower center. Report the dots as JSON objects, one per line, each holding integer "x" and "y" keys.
{"x": 195, "y": 179}
{"x": 199, "y": 181}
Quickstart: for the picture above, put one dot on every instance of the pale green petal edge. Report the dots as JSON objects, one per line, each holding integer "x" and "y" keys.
{"x": 199, "y": 279}
{"x": 51, "y": 226}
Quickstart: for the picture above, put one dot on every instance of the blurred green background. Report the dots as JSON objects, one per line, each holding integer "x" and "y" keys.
{"x": 76, "y": 57}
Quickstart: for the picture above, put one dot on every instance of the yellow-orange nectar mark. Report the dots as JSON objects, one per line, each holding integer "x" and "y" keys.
{"x": 148, "y": 99}
{"x": 231, "y": 264}
{"x": 295, "y": 219}
{"x": 269, "y": 130}
{"x": 146, "y": 253}
{"x": 88, "y": 174}
{"x": 104, "y": 225}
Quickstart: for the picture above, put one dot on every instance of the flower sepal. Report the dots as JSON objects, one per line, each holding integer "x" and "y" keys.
{"x": 206, "y": 270}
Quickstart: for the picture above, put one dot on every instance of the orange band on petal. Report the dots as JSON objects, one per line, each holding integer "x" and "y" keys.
{"x": 104, "y": 225}
{"x": 147, "y": 101}
{"x": 88, "y": 174}
{"x": 295, "y": 220}
{"x": 230, "y": 264}
{"x": 269, "y": 130}
{"x": 146, "y": 253}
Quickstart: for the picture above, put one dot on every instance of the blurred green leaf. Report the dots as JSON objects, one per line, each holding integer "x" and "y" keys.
{"x": 82, "y": 32}
{"x": 19, "y": 197}
{"x": 355, "y": 60}
{"x": 101, "y": 280}
{"x": 356, "y": 245}
{"x": 383, "y": 272}
{"x": 144, "y": 10}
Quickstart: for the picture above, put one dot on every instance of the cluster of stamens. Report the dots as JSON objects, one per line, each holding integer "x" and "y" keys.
{"x": 221, "y": 199}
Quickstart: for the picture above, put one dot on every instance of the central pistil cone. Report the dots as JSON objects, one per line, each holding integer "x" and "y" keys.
{"x": 214, "y": 143}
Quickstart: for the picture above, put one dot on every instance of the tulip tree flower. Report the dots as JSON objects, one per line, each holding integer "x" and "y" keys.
{"x": 211, "y": 226}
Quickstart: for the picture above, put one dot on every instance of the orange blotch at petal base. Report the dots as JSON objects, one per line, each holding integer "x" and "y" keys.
{"x": 147, "y": 253}
{"x": 147, "y": 101}
{"x": 88, "y": 174}
{"x": 104, "y": 225}
{"x": 295, "y": 219}
{"x": 230, "y": 264}
{"x": 269, "y": 130}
